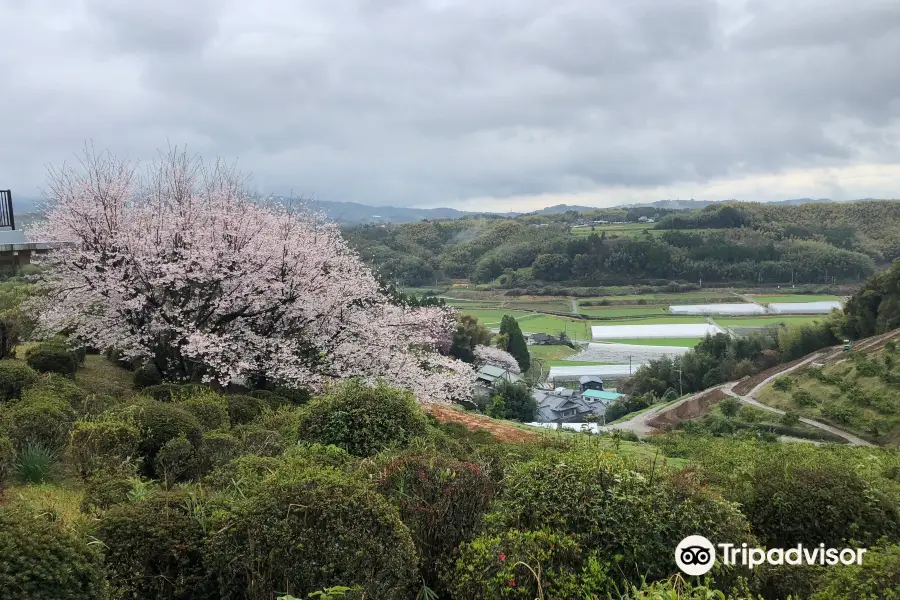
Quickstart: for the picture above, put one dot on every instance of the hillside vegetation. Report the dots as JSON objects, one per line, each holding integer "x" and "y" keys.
{"x": 736, "y": 242}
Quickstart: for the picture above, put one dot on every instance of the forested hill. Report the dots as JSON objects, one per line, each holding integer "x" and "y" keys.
{"x": 734, "y": 242}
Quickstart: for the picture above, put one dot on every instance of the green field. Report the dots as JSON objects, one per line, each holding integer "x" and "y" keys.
{"x": 554, "y": 356}
{"x": 491, "y": 316}
{"x": 766, "y": 320}
{"x": 794, "y": 298}
{"x": 686, "y": 342}
{"x": 575, "y": 328}
{"x": 626, "y": 229}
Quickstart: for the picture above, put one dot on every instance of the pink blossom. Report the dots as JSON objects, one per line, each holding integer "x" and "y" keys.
{"x": 487, "y": 355}
{"x": 185, "y": 259}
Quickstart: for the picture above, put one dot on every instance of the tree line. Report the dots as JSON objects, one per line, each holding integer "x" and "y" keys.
{"x": 735, "y": 242}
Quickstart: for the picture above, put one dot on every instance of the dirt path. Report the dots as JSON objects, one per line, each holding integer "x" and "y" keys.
{"x": 641, "y": 423}
{"x": 750, "y": 398}
{"x": 574, "y": 307}
{"x": 500, "y": 430}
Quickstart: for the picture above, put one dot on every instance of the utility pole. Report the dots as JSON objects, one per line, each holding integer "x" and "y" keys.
{"x": 680, "y": 388}
{"x": 629, "y": 365}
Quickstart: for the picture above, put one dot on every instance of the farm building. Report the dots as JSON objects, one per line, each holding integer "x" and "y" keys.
{"x": 488, "y": 375}
{"x": 804, "y": 308}
{"x": 590, "y": 382}
{"x": 718, "y": 309}
{"x": 669, "y": 330}
{"x": 559, "y": 375}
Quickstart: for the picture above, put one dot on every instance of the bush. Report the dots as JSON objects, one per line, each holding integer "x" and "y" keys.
{"x": 42, "y": 420}
{"x": 309, "y": 529}
{"x": 441, "y": 501}
{"x": 153, "y": 550}
{"x": 782, "y": 384}
{"x": 790, "y": 418}
{"x": 158, "y": 423}
{"x": 42, "y": 560}
{"x": 58, "y": 386}
{"x": 607, "y": 507}
{"x": 363, "y": 420}
{"x": 176, "y": 461}
{"x": 7, "y": 460}
{"x": 261, "y": 441}
{"x": 730, "y": 407}
{"x": 798, "y": 503}
{"x": 107, "y": 489}
{"x": 163, "y": 392}
{"x": 103, "y": 444}
{"x": 803, "y": 398}
{"x": 147, "y": 375}
{"x": 14, "y": 377}
{"x": 507, "y": 566}
{"x": 878, "y": 578}
{"x": 243, "y": 409}
{"x": 210, "y": 409}
{"x": 51, "y": 357}
{"x": 217, "y": 449}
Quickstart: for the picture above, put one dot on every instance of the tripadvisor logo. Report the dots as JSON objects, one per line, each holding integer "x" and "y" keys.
{"x": 696, "y": 555}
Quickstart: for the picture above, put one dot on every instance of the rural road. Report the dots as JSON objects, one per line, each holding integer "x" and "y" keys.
{"x": 750, "y": 398}
{"x": 639, "y": 423}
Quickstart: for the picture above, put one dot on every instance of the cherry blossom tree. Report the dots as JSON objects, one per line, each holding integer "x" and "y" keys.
{"x": 180, "y": 265}
{"x": 488, "y": 355}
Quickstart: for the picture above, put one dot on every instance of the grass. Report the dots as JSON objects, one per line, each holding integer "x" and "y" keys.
{"x": 492, "y": 317}
{"x": 794, "y": 298}
{"x": 686, "y": 342}
{"x": 99, "y": 376}
{"x": 765, "y": 320}
{"x": 575, "y": 328}
{"x": 64, "y": 501}
{"x": 35, "y": 463}
{"x": 551, "y": 352}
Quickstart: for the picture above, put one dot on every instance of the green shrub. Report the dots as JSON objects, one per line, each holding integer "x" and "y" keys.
{"x": 310, "y": 528}
{"x": 14, "y": 377}
{"x": 107, "y": 488}
{"x": 610, "y": 508}
{"x": 41, "y": 560}
{"x": 507, "y": 566}
{"x": 363, "y": 420}
{"x": 878, "y": 578}
{"x": 176, "y": 460}
{"x": 803, "y": 398}
{"x": 839, "y": 413}
{"x": 243, "y": 409}
{"x": 293, "y": 396}
{"x": 158, "y": 423}
{"x": 210, "y": 409}
{"x": 7, "y": 460}
{"x": 259, "y": 440}
{"x": 217, "y": 449}
{"x": 797, "y": 503}
{"x": 103, "y": 443}
{"x": 146, "y": 376}
{"x": 153, "y": 549}
{"x": 790, "y": 418}
{"x": 51, "y": 357}
{"x": 163, "y": 392}
{"x": 58, "y": 386}
{"x": 782, "y": 384}
{"x": 441, "y": 501}
{"x": 42, "y": 419}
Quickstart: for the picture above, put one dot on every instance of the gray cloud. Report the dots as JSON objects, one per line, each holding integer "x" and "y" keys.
{"x": 441, "y": 101}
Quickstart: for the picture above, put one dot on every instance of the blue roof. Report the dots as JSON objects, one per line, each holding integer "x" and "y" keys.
{"x": 601, "y": 395}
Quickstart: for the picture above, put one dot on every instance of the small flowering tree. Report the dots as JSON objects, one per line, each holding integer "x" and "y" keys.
{"x": 488, "y": 355}
{"x": 184, "y": 268}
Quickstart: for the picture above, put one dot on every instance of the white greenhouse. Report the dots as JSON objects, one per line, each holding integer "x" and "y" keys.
{"x": 669, "y": 330}
{"x": 718, "y": 309}
{"x": 804, "y": 308}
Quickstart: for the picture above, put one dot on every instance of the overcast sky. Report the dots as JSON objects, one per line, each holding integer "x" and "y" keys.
{"x": 500, "y": 104}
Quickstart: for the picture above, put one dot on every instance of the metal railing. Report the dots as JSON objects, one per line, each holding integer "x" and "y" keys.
{"x": 6, "y": 210}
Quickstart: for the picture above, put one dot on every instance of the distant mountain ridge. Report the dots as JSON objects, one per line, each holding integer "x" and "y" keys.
{"x": 354, "y": 213}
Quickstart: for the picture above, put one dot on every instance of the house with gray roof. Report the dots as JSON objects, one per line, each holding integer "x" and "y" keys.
{"x": 563, "y": 405}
